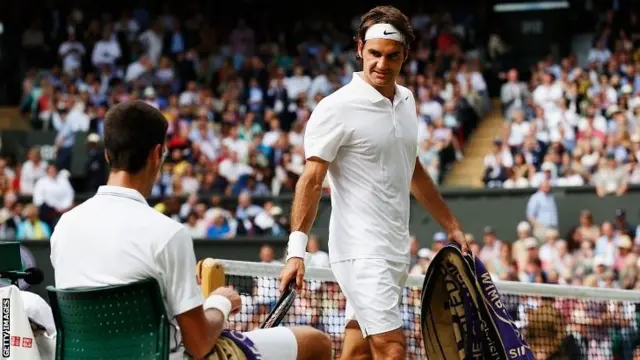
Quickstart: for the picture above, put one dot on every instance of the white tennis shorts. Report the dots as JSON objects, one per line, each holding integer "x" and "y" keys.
{"x": 276, "y": 343}
{"x": 373, "y": 288}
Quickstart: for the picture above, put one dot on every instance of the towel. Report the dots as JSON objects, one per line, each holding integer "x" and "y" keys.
{"x": 38, "y": 312}
{"x": 463, "y": 316}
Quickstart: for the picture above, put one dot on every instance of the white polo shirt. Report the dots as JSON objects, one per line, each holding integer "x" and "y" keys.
{"x": 115, "y": 238}
{"x": 372, "y": 145}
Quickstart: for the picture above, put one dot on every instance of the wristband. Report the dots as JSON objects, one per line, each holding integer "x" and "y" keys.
{"x": 297, "y": 246}
{"x": 220, "y": 303}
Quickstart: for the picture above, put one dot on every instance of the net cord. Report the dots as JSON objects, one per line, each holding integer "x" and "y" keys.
{"x": 271, "y": 270}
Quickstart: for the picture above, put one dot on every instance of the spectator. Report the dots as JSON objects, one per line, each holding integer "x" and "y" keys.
{"x": 496, "y": 164}
{"x": 513, "y": 94}
{"x": 424, "y": 259}
{"x": 439, "y": 241}
{"x": 219, "y": 227}
{"x": 267, "y": 255}
{"x": 197, "y": 228}
{"x": 53, "y": 195}
{"x": 106, "y": 51}
{"x": 622, "y": 225}
{"x": 587, "y": 229}
{"x": 492, "y": 246}
{"x": 542, "y": 211}
{"x": 549, "y": 255}
{"x": 611, "y": 178}
{"x": 10, "y": 216}
{"x": 265, "y": 221}
{"x": 607, "y": 244}
{"x": 32, "y": 170}
{"x": 533, "y": 273}
{"x": 32, "y": 228}
{"x": 519, "y": 252}
{"x": 499, "y": 266}
{"x": 71, "y": 52}
{"x": 315, "y": 256}
{"x": 96, "y": 166}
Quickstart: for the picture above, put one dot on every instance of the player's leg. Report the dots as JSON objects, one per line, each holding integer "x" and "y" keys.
{"x": 373, "y": 288}
{"x": 355, "y": 346}
{"x": 388, "y": 345}
{"x": 294, "y": 343}
{"x": 312, "y": 344}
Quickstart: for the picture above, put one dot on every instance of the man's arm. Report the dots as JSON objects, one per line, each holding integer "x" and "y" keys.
{"x": 303, "y": 214}
{"x": 307, "y": 195}
{"x": 323, "y": 137}
{"x": 427, "y": 194}
{"x": 200, "y": 328}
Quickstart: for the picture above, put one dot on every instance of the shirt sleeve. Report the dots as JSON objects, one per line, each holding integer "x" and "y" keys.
{"x": 177, "y": 262}
{"x": 324, "y": 134}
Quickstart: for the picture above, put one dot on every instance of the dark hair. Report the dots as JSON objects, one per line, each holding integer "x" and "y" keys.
{"x": 132, "y": 129}
{"x": 386, "y": 15}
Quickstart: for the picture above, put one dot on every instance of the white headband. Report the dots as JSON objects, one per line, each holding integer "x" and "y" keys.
{"x": 384, "y": 31}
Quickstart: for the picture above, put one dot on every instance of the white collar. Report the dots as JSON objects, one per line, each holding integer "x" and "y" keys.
{"x": 372, "y": 94}
{"x": 120, "y": 191}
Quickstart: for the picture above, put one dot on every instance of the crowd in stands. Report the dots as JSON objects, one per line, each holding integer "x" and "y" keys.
{"x": 236, "y": 105}
{"x": 574, "y": 125}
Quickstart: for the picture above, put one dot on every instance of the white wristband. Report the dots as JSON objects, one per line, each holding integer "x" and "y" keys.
{"x": 297, "y": 246}
{"x": 218, "y": 302}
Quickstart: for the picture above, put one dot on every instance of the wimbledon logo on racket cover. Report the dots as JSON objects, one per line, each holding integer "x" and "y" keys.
{"x": 6, "y": 328}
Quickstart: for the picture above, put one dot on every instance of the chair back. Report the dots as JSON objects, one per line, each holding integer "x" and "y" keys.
{"x": 113, "y": 322}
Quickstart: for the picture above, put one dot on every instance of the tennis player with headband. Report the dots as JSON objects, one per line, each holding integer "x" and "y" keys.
{"x": 365, "y": 137}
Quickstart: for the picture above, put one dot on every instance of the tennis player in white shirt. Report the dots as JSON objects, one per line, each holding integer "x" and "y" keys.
{"x": 365, "y": 136}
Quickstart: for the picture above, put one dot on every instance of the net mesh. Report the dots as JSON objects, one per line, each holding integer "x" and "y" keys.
{"x": 558, "y": 322}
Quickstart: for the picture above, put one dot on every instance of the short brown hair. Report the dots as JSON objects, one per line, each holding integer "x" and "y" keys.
{"x": 386, "y": 15}
{"x": 132, "y": 130}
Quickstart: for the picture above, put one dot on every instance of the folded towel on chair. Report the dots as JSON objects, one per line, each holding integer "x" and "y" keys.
{"x": 463, "y": 316}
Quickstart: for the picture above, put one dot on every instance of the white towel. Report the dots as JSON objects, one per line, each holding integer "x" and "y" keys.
{"x": 38, "y": 311}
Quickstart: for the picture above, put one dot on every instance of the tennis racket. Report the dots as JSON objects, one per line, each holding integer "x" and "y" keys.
{"x": 282, "y": 307}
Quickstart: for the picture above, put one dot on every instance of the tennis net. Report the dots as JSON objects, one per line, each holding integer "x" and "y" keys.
{"x": 559, "y": 322}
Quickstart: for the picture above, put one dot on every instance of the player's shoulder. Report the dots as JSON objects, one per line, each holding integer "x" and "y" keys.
{"x": 165, "y": 227}
{"x": 337, "y": 103}
{"x": 336, "y": 99}
{"x": 160, "y": 227}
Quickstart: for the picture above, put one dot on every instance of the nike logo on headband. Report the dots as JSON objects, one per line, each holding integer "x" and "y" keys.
{"x": 388, "y": 33}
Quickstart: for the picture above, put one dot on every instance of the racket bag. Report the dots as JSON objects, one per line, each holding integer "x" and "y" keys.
{"x": 463, "y": 316}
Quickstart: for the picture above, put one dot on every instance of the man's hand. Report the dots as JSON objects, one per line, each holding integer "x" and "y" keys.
{"x": 294, "y": 269}
{"x": 458, "y": 237}
{"x": 232, "y": 295}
